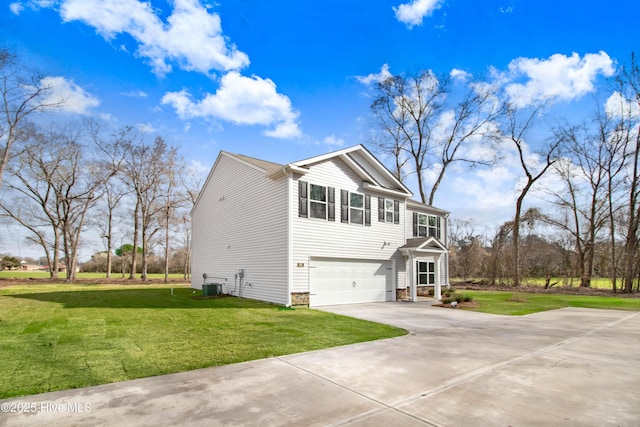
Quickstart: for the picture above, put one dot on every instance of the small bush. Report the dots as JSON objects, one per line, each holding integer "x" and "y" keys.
{"x": 465, "y": 298}
{"x": 449, "y": 297}
{"x": 448, "y": 300}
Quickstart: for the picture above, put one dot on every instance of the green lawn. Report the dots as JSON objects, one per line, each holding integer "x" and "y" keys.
{"x": 525, "y": 303}
{"x": 596, "y": 282}
{"x": 55, "y": 337}
{"x": 15, "y": 274}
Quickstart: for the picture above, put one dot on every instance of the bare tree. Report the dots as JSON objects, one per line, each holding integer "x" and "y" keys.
{"x": 466, "y": 247}
{"x": 55, "y": 183}
{"x": 112, "y": 196}
{"x": 191, "y": 182}
{"x": 172, "y": 201}
{"x": 420, "y": 126}
{"x": 145, "y": 173}
{"x": 112, "y": 152}
{"x": 21, "y": 95}
{"x": 516, "y": 131}
{"x": 629, "y": 81}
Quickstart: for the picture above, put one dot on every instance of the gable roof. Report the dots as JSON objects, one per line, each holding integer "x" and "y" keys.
{"x": 374, "y": 174}
{"x": 423, "y": 244}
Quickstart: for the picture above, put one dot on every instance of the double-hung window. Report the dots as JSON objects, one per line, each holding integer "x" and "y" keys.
{"x": 426, "y": 225}
{"x": 317, "y": 201}
{"x": 388, "y": 210}
{"x": 356, "y": 208}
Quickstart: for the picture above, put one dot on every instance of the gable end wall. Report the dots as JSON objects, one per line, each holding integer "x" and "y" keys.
{"x": 240, "y": 222}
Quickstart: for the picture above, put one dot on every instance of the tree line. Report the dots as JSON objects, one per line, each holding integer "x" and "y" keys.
{"x": 426, "y": 124}
{"x": 61, "y": 180}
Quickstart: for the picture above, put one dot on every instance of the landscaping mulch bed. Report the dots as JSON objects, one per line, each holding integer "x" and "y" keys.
{"x": 471, "y": 304}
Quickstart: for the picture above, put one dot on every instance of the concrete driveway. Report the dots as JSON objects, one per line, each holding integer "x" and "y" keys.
{"x": 569, "y": 367}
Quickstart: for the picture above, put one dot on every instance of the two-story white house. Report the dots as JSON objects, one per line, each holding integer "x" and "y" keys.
{"x": 333, "y": 229}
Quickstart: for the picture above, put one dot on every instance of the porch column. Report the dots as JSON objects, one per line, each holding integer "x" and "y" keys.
{"x": 413, "y": 290}
{"x": 437, "y": 294}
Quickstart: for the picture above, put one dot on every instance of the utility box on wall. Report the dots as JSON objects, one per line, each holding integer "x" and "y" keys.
{"x": 211, "y": 289}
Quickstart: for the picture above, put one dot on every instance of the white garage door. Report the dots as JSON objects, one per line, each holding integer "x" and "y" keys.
{"x": 340, "y": 281}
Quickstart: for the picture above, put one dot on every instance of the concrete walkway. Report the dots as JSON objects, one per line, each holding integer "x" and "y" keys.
{"x": 569, "y": 367}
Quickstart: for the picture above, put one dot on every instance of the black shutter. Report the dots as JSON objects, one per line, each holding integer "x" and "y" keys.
{"x": 438, "y": 228}
{"x": 344, "y": 206}
{"x": 331, "y": 208}
{"x": 367, "y": 209}
{"x": 415, "y": 224}
{"x": 396, "y": 212}
{"x": 381, "y": 209}
{"x": 302, "y": 199}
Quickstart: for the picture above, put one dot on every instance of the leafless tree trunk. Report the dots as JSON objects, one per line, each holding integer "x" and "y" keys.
{"x": 413, "y": 116}
{"x": 516, "y": 134}
{"x": 21, "y": 96}
{"x": 55, "y": 177}
{"x": 630, "y": 93}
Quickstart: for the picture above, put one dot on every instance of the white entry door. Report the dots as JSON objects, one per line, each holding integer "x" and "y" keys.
{"x": 341, "y": 281}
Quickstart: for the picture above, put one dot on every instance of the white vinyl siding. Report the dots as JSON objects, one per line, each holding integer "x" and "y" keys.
{"x": 338, "y": 240}
{"x": 240, "y": 222}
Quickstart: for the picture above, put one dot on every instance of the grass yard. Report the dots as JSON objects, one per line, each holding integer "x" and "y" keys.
{"x": 16, "y": 274}
{"x": 55, "y": 337}
{"x": 596, "y": 282}
{"x": 511, "y": 303}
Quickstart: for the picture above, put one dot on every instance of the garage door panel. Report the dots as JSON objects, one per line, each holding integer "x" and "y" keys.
{"x": 339, "y": 281}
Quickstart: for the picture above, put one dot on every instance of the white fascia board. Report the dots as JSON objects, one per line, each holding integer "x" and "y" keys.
{"x": 388, "y": 191}
{"x": 423, "y": 207}
{"x": 327, "y": 156}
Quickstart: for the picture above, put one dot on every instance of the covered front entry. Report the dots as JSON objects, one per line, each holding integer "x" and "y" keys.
{"x": 424, "y": 260}
{"x": 347, "y": 281}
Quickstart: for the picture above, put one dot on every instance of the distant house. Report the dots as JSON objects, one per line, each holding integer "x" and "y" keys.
{"x": 338, "y": 228}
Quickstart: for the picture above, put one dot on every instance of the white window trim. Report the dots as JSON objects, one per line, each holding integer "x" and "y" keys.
{"x": 428, "y": 227}
{"x": 325, "y": 202}
{"x": 361, "y": 209}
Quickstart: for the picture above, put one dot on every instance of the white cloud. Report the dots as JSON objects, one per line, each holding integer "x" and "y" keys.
{"x": 377, "y": 77}
{"x": 618, "y": 106}
{"x": 16, "y": 8}
{"x": 70, "y": 97}
{"x": 135, "y": 94}
{"x": 558, "y": 78}
{"x": 412, "y": 13}
{"x": 333, "y": 141}
{"x": 146, "y": 128}
{"x": 460, "y": 75}
{"x": 191, "y": 36}
{"x": 241, "y": 100}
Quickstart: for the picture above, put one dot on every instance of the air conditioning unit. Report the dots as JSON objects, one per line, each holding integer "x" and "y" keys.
{"x": 211, "y": 289}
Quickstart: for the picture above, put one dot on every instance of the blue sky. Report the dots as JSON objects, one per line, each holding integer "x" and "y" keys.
{"x": 286, "y": 80}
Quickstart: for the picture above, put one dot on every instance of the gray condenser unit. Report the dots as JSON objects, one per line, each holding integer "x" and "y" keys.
{"x": 211, "y": 289}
